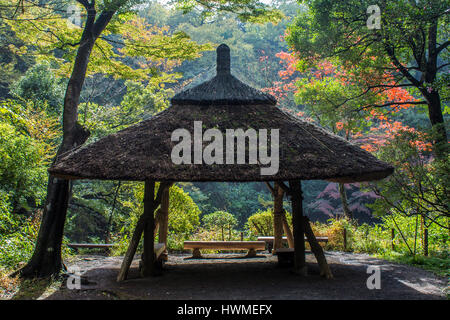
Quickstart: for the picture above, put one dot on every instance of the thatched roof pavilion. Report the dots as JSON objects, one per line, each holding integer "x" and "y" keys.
{"x": 142, "y": 152}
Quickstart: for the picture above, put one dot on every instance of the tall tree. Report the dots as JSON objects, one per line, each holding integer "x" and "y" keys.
{"x": 408, "y": 39}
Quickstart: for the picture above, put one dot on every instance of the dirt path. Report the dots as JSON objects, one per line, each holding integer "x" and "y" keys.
{"x": 228, "y": 276}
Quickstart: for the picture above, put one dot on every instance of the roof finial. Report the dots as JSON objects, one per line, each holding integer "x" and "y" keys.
{"x": 223, "y": 59}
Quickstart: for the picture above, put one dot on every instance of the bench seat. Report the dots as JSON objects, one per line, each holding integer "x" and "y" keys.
{"x": 251, "y": 246}
{"x": 105, "y": 246}
{"x": 284, "y": 239}
{"x": 269, "y": 240}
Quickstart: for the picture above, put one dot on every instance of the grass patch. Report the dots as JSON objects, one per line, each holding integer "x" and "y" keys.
{"x": 439, "y": 264}
{"x": 26, "y": 289}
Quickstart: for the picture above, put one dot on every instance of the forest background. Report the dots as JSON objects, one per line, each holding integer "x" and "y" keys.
{"x": 129, "y": 83}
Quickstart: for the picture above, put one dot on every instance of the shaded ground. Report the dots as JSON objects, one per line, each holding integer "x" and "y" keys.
{"x": 229, "y": 276}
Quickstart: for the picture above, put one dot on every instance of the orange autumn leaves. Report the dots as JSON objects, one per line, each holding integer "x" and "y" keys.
{"x": 383, "y": 125}
{"x": 386, "y": 130}
{"x": 288, "y": 77}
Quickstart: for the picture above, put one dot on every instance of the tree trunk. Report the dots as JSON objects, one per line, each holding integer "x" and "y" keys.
{"x": 164, "y": 224}
{"x": 431, "y": 95}
{"x": 437, "y": 121}
{"x": 344, "y": 201}
{"x": 46, "y": 259}
{"x": 148, "y": 257}
{"x": 298, "y": 224}
{"x": 108, "y": 226}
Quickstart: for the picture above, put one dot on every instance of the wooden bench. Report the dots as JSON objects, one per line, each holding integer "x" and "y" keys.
{"x": 269, "y": 241}
{"x": 77, "y": 246}
{"x": 160, "y": 248}
{"x": 286, "y": 255}
{"x": 251, "y": 246}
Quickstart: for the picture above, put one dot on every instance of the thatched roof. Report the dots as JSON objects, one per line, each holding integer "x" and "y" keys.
{"x": 143, "y": 151}
{"x": 224, "y": 88}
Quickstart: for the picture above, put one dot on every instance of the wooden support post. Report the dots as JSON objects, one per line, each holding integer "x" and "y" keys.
{"x": 149, "y": 257}
{"x": 277, "y": 219}
{"x": 196, "y": 253}
{"x": 164, "y": 222}
{"x": 393, "y": 238}
{"x": 140, "y": 226}
{"x": 345, "y": 239}
{"x": 287, "y": 230}
{"x": 158, "y": 217}
{"x": 298, "y": 226}
{"x": 317, "y": 250}
{"x": 251, "y": 253}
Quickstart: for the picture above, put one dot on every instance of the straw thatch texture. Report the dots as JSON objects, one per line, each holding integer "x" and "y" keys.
{"x": 224, "y": 88}
{"x": 143, "y": 151}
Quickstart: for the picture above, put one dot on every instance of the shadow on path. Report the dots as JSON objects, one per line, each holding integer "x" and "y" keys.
{"x": 218, "y": 277}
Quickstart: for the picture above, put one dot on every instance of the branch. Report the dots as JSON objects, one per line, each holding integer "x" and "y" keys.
{"x": 442, "y": 66}
{"x": 284, "y": 187}
{"x": 390, "y": 104}
{"x": 270, "y": 187}
{"x": 443, "y": 46}
{"x": 401, "y": 67}
{"x": 85, "y": 4}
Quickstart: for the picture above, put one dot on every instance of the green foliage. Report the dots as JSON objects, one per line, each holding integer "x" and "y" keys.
{"x": 7, "y": 222}
{"x": 17, "y": 244}
{"x": 338, "y": 30}
{"x": 324, "y": 28}
{"x": 323, "y": 94}
{"x": 183, "y": 218}
{"x": 261, "y": 223}
{"x": 248, "y": 42}
{"x": 20, "y": 169}
{"x": 439, "y": 264}
{"x": 40, "y": 85}
{"x": 377, "y": 239}
{"x": 239, "y": 198}
{"x": 246, "y": 10}
{"x": 150, "y": 45}
{"x": 220, "y": 222}
{"x": 12, "y": 63}
{"x": 27, "y": 141}
{"x": 420, "y": 183}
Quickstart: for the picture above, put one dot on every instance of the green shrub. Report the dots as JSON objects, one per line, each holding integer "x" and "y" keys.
{"x": 220, "y": 224}
{"x": 183, "y": 220}
{"x": 17, "y": 247}
{"x": 261, "y": 223}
